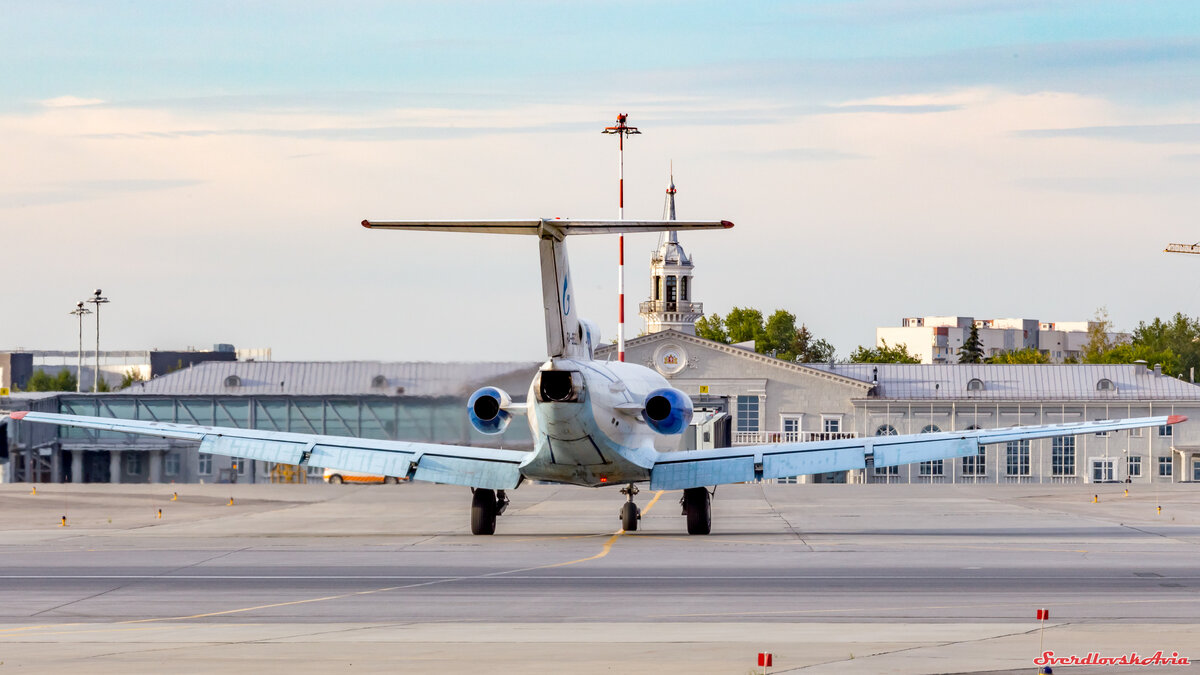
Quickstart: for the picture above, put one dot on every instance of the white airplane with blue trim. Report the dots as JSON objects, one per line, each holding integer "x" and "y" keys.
{"x": 594, "y": 423}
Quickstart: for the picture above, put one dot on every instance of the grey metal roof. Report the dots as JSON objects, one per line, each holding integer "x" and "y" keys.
{"x": 1132, "y": 382}
{"x": 350, "y": 378}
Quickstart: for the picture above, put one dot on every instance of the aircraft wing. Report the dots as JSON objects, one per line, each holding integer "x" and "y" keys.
{"x": 452, "y": 464}
{"x": 696, "y": 468}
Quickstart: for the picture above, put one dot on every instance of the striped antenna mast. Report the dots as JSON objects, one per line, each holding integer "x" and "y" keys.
{"x": 621, "y": 129}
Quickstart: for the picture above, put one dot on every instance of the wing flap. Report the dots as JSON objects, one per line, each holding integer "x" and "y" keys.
{"x": 685, "y": 473}
{"x": 280, "y": 452}
{"x": 916, "y": 449}
{"x": 374, "y": 462}
{"x": 472, "y": 473}
{"x": 784, "y": 464}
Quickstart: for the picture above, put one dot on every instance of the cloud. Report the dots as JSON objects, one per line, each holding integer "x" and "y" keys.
{"x": 799, "y": 155}
{"x": 1137, "y": 133}
{"x": 893, "y": 109}
{"x": 84, "y": 190}
{"x": 70, "y": 102}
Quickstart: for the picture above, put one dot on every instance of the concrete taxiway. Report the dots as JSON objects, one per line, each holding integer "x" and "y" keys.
{"x": 855, "y": 579}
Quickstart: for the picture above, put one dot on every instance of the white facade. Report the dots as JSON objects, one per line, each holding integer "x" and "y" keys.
{"x": 772, "y": 401}
{"x": 938, "y": 339}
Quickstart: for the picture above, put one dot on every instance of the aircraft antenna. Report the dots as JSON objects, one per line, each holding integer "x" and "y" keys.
{"x": 621, "y": 129}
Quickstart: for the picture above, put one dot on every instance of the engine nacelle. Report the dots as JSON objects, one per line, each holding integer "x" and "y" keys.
{"x": 486, "y": 409}
{"x": 668, "y": 411}
{"x": 589, "y": 337}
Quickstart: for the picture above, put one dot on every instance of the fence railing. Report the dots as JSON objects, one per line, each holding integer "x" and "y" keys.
{"x": 763, "y": 437}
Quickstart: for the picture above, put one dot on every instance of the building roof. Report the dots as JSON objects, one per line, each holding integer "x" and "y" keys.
{"x": 1130, "y": 382}
{"x": 349, "y": 378}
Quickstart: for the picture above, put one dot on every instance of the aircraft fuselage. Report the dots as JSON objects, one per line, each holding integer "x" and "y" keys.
{"x": 593, "y": 432}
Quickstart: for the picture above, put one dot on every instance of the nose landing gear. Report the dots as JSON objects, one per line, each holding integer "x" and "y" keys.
{"x": 630, "y": 513}
{"x": 486, "y": 506}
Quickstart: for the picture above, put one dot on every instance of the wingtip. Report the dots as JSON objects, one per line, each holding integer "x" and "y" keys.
{"x": 366, "y": 224}
{"x": 1176, "y": 419}
{"x": 18, "y": 414}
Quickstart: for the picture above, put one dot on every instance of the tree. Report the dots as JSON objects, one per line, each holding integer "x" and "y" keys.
{"x": 1099, "y": 340}
{"x": 883, "y": 354}
{"x": 810, "y": 349}
{"x": 1129, "y": 353}
{"x": 42, "y": 381}
{"x": 972, "y": 349}
{"x": 712, "y": 328}
{"x": 131, "y": 375}
{"x": 1018, "y": 356}
{"x": 779, "y": 336}
{"x": 744, "y": 325}
{"x": 1180, "y": 335}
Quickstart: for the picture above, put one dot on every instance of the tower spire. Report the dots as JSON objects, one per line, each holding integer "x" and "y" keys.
{"x": 672, "y": 235}
{"x": 670, "y": 306}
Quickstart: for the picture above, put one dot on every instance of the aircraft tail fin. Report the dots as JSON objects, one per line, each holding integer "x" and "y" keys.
{"x": 566, "y": 335}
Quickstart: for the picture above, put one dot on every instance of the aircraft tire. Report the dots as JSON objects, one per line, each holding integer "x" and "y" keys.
{"x": 697, "y": 502}
{"x": 483, "y": 512}
{"x": 629, "y": 516}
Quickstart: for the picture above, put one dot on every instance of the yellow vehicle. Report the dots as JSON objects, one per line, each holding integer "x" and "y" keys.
{"x": 337, "y": 477}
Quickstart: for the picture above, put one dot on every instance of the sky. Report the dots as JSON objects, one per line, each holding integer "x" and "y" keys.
{"x": 206, "y": 164}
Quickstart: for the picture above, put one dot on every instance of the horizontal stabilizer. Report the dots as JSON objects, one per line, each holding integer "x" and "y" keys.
{"x": 554, "y": 227}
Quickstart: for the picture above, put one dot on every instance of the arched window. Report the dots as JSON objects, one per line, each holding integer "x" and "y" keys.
{"x": 1105, "y": 384}
{"x": 233, "y": 381}
{"x": 975, "y": 384}
{"x": 379, "y": 381}
{"x": 975, "y": 465}
{"x": 886, "y": 430}
{"x": 931, "y": 429}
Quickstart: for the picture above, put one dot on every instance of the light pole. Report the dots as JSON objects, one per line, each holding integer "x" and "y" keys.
{"x": 97, "y": 299}
{"x": 80, "y": 310}
{"x": 621, "y": 129}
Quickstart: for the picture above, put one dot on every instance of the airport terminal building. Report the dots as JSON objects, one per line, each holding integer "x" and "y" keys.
{"x": 754, "y": 399}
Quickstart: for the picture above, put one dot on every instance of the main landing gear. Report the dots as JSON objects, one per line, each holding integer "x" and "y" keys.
{"x": 630, "y": 513}
{"x": 486, "y": 506}
{"x": 697, "y": 506}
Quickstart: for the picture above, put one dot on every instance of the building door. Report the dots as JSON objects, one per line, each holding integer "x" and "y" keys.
{"x": 96, "y": 466}
{"x": 1102, "y": 471}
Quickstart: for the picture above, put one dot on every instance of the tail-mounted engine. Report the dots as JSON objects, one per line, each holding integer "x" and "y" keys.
{"x": 486, "y": 408}
{"x": 668, "y": 411}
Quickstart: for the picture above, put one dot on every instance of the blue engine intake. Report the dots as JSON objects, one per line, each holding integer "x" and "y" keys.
{"x": 486, "y": 409}
{"x": 668, "y": 411}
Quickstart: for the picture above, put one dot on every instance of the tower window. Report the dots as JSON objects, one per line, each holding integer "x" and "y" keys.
{"x": 683, "y": 288}
{"x": 658, "y": 288}
{"x": 671, "y": 288}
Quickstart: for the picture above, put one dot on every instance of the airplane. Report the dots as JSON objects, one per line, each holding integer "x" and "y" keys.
{"x": 594, "y": 423}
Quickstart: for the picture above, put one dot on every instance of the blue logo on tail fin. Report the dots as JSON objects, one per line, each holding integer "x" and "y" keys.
{"x": 566, "y": 297}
